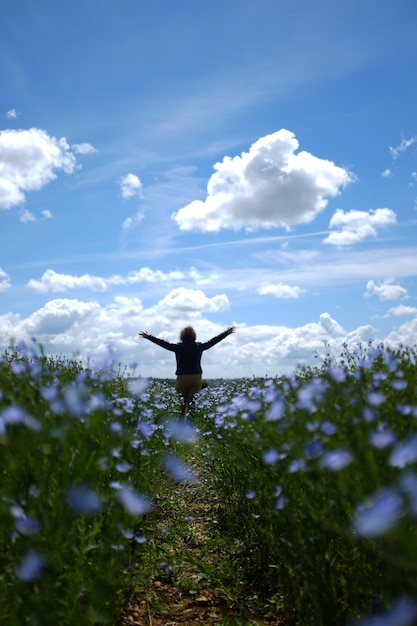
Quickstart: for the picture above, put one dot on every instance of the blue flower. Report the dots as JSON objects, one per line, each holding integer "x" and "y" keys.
{"x": 336, "y": 460}
{"x": 134, "y": 503}
{"x": 31, "y": 567}
{"x": 405, "y": 453}
{"x": 378, "y": 515}
{"x": 271, "y": 456}
{"x": 313, "y": 449}
{"x": 84, "y": 500}
{"x": 179, "y": 471}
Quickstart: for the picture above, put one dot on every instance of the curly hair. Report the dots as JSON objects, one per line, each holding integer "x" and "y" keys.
{"x": 188, "y": 333}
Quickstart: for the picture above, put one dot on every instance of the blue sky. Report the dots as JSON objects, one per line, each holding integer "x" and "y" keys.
{"x": 233, "y": 162}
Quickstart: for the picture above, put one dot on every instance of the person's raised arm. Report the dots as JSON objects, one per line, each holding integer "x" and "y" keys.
{"x": 159, "y": 342}
{"x": 212, "y": 342}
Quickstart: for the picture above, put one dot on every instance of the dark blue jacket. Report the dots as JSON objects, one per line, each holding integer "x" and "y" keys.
{"x": 188, "y": 353}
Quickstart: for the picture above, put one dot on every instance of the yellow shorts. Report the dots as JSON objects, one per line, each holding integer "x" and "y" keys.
{"x": 188, "y": 384}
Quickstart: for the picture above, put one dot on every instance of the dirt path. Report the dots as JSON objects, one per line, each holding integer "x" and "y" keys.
{"x": 203, "y": 586}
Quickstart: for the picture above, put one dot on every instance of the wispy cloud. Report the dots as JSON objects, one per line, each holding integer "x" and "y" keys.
{"x": 27, "y": 216}
{"x": 83, "y": 148}
{"x": 402, "y": 147}
{"x": 279, "y": 290}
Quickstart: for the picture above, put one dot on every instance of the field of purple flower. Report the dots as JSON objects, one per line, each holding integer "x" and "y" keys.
{"x": 314, "y": 475}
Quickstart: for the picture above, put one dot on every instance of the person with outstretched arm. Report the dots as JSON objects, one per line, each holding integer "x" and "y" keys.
{"x": 188, "y": 353}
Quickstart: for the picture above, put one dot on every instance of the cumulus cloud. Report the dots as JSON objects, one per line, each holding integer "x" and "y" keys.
{"x": 353, "y": 226}
{"x": 279, "y": 290}
{"x": 330, "y": 325}
{"x": 109, "y": 332}
{"x": 130, "y": 185}
{"x": 4, "y": 280}
{"x": 387, "y": 173}
{"x": 58, "y": 317}
{"x": 11, "y": 114}
{"x": 53, "y": 282}
{"x": 386, "y": 291}
{"x": 271, "y": 185}
{"x": 29, "y": 160}
{"x": 401, "y": 310}
{"x": 191, "y": 302}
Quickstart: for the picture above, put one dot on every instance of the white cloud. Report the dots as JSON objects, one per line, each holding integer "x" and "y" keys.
{"x": 4, "y": 280}
{"x": 69, "y": 327}
{"x": 28, "y": 161}
{"x": 192, "y": 302}
{"x": 54, "y": 282}
{"x": 331, "y": 326}
{"x": 386, "y": 291}
{"x": 11, "y": 114}
{"x": 280, "y": 290}
{"x": 83, "y": 148}
{"x": 404, "y": 145}
{"x": 353, "y": 226}
{"x": 131, "y": 221}
{"x": 405, "y": 335}
{"x": 401, "y": 310}
{"x": 387, "y": 173}
{"x": 27, "y": 216}
{"x": 130, "y": 185}
{"x": 269, "y": 186}
{"x": 128, "y": 223}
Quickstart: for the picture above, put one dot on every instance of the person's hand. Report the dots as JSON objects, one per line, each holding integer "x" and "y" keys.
{"x": 231, "y": 330}
{"x": 144, "y": 334}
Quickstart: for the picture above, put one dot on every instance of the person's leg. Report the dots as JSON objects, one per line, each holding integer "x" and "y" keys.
{"x": 194, "y": 387}
{"x": 187, "y": 385}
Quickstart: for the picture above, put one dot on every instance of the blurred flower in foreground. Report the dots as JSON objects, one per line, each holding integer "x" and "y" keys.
{"x": 31, "y": 568}
{"x": 181, "y": 431}
{"x": 336, "y": 459}
{"x": 27, "y": 526}
{"x": 377, "y": 516}
{"x": 134, "y": 503}
{"x": 402, "y": 613}
{"x": 14, "y": 414}
{"x": 179, "y": 471}
{"x": 271, "y": 456}
{"x": 404, "y": 453}
{"x": 83, "y": 500}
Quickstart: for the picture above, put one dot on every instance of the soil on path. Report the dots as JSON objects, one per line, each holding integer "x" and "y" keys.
{"x": 201, "y": 588}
